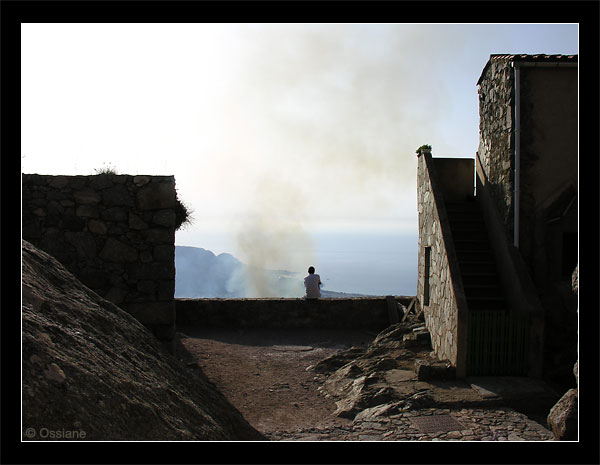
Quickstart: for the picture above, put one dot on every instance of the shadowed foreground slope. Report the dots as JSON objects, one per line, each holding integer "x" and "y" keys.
{"x": 91, "y": 371}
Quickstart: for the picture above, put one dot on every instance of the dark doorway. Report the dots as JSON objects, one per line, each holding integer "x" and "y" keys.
{"x": 427, "y": 273}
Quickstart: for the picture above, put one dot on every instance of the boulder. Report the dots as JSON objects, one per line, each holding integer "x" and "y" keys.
{"x": 359, "y": 379}
{"x": 428, "y": 370}
{"x": 92, "y": 371}
{"x": 562, "y": 419}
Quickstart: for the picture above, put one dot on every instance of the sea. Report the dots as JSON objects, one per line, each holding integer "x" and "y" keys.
{"x": 369, "y": 264}
{"x": 365, "y": 263}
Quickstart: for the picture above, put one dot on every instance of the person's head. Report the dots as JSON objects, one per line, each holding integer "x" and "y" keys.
{"x": 311, "y": 270}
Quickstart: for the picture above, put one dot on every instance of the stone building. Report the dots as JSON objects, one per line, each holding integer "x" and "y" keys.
{"x": 495, "y": 262}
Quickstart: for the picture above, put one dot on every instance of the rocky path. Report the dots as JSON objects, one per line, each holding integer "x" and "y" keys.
{"x": 270, "y": 377}
{"x": 503, "y": 424}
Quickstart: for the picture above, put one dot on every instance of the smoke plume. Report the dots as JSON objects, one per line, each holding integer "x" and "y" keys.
{"x": 273, "y": 242}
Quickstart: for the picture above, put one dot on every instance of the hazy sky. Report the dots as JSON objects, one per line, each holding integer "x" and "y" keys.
{"x": 266, "y": 127}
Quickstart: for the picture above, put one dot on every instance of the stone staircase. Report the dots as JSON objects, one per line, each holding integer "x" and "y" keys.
{"x": 476, "y": 262}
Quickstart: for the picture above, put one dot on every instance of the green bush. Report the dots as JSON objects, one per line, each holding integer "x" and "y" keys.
{"x": 423, "y": 147}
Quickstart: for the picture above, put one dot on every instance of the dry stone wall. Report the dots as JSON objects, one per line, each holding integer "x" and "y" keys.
{"x": 369, "y": 313}
{"x": 445, "y": 306}
{"x": 496, "y": 135}
{"x": 116, "y": 233}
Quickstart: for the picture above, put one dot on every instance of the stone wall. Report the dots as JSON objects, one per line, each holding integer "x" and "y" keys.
{"x": 115, "y": 233}
{"x": 365, "y": 312}
{"x": 547, "y": 125}
{"x": 496, "y": 135}
{"x": 445, "y": 313}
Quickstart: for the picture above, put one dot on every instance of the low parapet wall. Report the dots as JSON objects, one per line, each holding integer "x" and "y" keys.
{"x": 363, "y": 312}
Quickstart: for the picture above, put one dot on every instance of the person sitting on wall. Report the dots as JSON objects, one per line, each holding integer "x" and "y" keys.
{"x": 312, "y": 284}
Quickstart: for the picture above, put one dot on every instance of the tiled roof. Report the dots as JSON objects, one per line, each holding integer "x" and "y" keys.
{"x": 537, "y": 58}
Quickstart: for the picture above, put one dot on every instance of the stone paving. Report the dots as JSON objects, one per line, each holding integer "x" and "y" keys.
{"x": 501, "y": 424}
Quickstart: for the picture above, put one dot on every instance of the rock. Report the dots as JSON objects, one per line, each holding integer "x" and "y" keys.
{"x": 348, "y": 406}
{"x": 350, "y": 370}
{"x": 515, "y": 437}
{"x": 385, "y": 364}
{"x": 87, "y": 211}
{"x": 101, "y": 181}
{"x": 87, "y": 362}
{"x": 360, "y": 397}
{"x": 117, "y": 195}
{"x": 97, "y": 227}
{"x": 419, "y": 400}
{"x": 135, "y": 222}
{"x": 58, "y": 182}
{"x": 73, "y": 222}
{"x": 118, "y": 252}
{"x": 427, "y": 370}
{"x": 155, "y": 196}
{"x": 337, "y": 360}
{"x": 372, "y": 413}
{"x": 422, "y": 335}
{"x": 84, "y": 244}
{"x": 115, "y": 214}
{"x": 164, "y": 218}
{"x": 164, "y": 253}
{"x": 35, "y": 359}
{"x": 562, "y": 419}
{"x": 54, "y": 372}
{"x": 86, "y": 197}
{"x": 141, "y": 180}
{"x": 390, "y": 334}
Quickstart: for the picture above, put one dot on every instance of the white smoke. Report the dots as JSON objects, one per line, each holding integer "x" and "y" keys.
{"x": 273, "y": 243}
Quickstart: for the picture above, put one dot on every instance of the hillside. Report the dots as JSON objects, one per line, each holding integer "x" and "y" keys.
{"x": 202, "y": 274}
{"x": 91, "y": 369}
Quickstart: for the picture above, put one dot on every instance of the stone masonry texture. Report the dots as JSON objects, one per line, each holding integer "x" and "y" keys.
{"x": 370, "y": 313}
{"x": 496, "y": 135}
{"x": 116, "y": 233}
{"x": 441, "y": 315}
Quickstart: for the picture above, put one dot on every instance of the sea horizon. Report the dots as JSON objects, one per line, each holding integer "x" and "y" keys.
{"x": 367, "y": 263}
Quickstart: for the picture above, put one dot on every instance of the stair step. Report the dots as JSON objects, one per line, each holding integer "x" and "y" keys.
{"x": 477, "y": 267}
{"x": 474, "y": 255}
{"x": 471, "y": 244}
{"x": 491, "y": 292}
{"x": 464, "y": 217}
{"x": 467, "y": 223}
{"x": 489, "y": 278}
{"x": 480, "y": 274}
{"x": 461, "y": 206}
{"x": 469, "y": 228}
{"x": 468, "y": 235}
{"x": 483, "y": 274}
{"x": 485, "y": 303}
{"x": 475, "y": 259}
{"x": 473, "y": 211}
